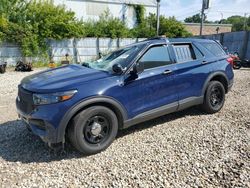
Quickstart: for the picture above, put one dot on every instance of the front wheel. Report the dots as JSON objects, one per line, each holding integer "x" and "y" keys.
{"x": 93, "y": 129}
{"x": 214, "y": 97}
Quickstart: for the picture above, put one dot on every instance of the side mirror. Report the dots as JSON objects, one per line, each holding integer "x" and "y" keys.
{"x": 138, "y": 68}
{"x": 133, "y": 74}
{"x": 117, "y": 69}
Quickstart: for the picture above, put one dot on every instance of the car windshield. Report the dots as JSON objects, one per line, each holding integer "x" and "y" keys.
{"x": 121, "y": 57}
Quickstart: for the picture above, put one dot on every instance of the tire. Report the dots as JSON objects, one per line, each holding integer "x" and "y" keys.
{"x": 237, "y": 65}
{"x": 93, "y": 129}
{"x": 214, "y": 97}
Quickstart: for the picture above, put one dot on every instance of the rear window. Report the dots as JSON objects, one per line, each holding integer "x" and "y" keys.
{"x": 183, "y": 53}
{"x": 214, "y": 48}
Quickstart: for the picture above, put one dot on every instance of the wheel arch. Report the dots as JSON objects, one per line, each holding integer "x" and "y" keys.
{"x": 108, "y": 102}
{"x": 217, "y": 76}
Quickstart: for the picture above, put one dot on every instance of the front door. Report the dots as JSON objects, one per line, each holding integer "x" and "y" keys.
{"x": 155, "y": 85}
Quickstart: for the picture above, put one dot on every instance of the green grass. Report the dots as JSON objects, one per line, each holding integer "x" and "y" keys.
{"x": 43, "y": 64}
{"x": 40, "y": 64}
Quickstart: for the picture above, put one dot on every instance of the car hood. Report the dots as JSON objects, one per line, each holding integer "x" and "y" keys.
{"x": 61, "y": 79}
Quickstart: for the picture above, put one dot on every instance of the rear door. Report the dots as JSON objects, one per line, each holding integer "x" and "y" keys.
{"x": 192, "y": 71}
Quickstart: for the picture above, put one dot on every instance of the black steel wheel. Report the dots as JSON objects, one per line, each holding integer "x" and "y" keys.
{"x": 93, "y": 129}
{"x": 214, "y": 97}
{"x": 97, "y": 129}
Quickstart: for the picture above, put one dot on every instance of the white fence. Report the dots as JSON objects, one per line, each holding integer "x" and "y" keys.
{"x": 79, "y": 50}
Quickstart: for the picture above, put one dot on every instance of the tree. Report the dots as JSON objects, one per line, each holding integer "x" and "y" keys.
{"x": 106, "y": 26}
{"x": 169, "y": 27}
{"x": 53, "y": 22}
{"x": 140, "y": 13}
{"x": 30, "y": 23}
{"x": 172, "y": 28}
{"x": 236, "y": 21}
{"x": 195, "y": 19}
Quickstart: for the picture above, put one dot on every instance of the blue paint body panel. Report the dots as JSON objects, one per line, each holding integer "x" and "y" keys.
{"x": 152, "y": 89}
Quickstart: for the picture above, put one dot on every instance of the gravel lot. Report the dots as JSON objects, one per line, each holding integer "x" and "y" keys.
{"x": 185, "y": 149}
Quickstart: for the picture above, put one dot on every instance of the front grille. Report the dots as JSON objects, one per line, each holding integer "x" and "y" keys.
{"x": 25, "y": 101}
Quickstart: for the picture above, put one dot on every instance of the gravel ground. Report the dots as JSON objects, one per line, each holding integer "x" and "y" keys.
{"x": 185, "y": 149}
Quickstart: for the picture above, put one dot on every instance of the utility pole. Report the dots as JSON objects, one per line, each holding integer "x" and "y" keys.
{"x": 245, "y": 21}
{"x": 158, "y": 16}
{"x": 202, "y": 16}
{"x": 221, "y": 17}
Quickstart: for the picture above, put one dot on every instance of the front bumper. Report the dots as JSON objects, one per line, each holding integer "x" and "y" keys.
{"x": 39, "y": 127}
{"x": 43, "y": 120}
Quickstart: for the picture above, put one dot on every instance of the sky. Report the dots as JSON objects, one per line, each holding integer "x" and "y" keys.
{"x": 219, "y": 8}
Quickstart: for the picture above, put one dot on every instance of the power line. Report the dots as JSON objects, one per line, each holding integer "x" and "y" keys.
{"x": 233, "y": 12}
{"x": 210, "y": 10}
{"x": 188, "y": 14}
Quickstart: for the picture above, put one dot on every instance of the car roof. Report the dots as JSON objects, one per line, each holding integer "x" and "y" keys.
{"x": 165, "y": 40}
{"x": 172, "y": 40}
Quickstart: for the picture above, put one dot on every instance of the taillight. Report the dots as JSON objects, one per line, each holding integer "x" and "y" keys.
{"x": 230, "y": 60}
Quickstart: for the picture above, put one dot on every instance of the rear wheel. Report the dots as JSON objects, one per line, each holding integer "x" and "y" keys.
{"x": 93, "y": 129}
{"x": 237, "y": 65}
{"x": 214, "y": 97}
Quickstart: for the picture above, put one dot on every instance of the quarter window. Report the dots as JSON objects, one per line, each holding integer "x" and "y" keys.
{"x": 197, "y": 52}
{"x": 214, "y": 48}
{"x": 184, "y": 52}
{"x": 155, "y": 57}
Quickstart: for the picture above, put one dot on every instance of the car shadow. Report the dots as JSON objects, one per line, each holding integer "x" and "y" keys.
{"x": 17, "y": 144}
{"x": 194, "y": 111}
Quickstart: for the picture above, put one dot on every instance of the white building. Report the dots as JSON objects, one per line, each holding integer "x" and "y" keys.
{"x": 92, "y": 9}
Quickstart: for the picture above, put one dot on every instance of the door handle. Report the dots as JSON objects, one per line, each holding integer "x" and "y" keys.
{"x": 166, "y": 72}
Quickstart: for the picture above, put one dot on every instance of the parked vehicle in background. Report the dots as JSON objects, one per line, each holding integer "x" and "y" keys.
{"x": 90, "y": 103}
{"x": 23, "y": 67}
{"x": 235, "y": 61}
{"x": 245, "y": 63}
{"x": 3, "y": 67}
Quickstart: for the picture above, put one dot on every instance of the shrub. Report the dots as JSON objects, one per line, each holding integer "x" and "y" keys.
{"x": 37, "y": 21}
{"x": 29, "y": 23}
{"x": 106, "y": 26}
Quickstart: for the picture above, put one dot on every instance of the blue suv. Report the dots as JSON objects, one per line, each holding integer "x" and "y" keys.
{"x": 89, "y": 103}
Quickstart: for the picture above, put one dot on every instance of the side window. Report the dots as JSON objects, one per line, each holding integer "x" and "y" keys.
{"x": 214, "y": 48}
{"x": 197, "y": 52}
{"x": 184, "y": 52}
{"x": 155, "y": 57}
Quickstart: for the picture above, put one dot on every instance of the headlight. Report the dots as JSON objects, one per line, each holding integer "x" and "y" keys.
{"x": 40, "y": 99}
